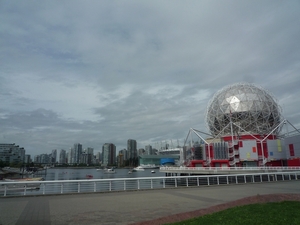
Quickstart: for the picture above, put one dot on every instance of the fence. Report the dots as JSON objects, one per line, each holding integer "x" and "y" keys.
{"x": 264, "y": 168}
{"x": 23, "y": 188}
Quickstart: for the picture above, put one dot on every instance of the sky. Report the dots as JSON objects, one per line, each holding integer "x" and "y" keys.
{"x": 95, "y": 72}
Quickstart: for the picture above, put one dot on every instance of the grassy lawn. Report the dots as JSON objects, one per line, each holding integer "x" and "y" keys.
{"x": 287, "y": 212}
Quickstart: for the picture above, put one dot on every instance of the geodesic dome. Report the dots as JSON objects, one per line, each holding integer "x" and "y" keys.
{"x": 251, "y": 109}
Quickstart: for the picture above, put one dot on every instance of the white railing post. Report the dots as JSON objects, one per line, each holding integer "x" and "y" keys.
{"x": 187, "y": 181}
{"x": 236, "y": 180}
{"x": 78, "y": 190}
{"x": 109, "y": 185}
{"x": 124, "y": 185}
{"x": 218, "y": 182}
{"x": 61, "y": 188}
{"x": 282, "y": 177}
{"x": 164, "y": 183}
{"x": 245, "y": 179}
{"x": 296, "y": 176}
{"x": 95, "y": 187}
{"x": 208, "y": 180}
{"x": 138, "y": 184}
{"x": 175, "y": 182}
{"x": 5, "y": 188}
{"x": 44, "y": 187}
{"x": 151, "y": 184}
{"x": 227, "y": 179}
{"x": 198, "y": 181}
{"x": 260, "y": 178}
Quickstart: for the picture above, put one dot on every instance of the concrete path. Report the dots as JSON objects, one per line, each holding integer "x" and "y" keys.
{"x": 127, "y": 207}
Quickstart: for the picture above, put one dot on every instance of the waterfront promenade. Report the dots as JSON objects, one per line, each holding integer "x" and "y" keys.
{"x": 128, "y": 207}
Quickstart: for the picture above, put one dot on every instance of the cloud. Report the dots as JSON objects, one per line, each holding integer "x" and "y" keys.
{"x": 96, "y": 72}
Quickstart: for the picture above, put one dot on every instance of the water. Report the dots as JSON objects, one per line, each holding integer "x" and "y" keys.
{"x": 79, "y": 174}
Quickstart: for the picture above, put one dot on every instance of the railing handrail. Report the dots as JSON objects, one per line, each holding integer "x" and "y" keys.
{"x": 47, "y": 186}
{"x": 231, "y": 168}
{"x": 136, "y": 178}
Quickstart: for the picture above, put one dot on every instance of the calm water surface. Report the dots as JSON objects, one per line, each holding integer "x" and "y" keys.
{"x": 79, "y": 174}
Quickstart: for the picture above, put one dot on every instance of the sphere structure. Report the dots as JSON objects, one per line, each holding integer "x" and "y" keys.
{"x": 251, "y": 109}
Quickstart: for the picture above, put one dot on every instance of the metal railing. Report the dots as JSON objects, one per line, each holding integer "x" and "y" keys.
{"x": 263, "y": 168}
{"x": 23, "y": 188}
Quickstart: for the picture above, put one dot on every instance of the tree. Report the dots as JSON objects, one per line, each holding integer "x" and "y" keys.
{"x": 3, "y": 164}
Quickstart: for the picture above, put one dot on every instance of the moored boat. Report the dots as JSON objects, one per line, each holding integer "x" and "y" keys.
{"x": 139, "y": 168}
{"x": 89, "y": 176}
{"x": 109, "y": 170}
{"x": 149, "y": 166}
{"x": 24, "y": 179}
{"x": 22, "y": 183}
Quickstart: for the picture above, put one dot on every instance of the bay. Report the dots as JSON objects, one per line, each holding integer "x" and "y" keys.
{"x": 57, "y": 174}
{"x": 81, "y": 173}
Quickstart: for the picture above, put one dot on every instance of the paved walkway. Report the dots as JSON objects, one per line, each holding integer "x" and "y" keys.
{"x": 127, "y": 207}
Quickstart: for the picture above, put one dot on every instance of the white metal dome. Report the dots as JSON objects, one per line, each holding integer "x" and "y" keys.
{"x": 252, "y": 109}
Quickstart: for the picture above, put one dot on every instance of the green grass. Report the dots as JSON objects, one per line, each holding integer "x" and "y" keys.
{"x": 287, "y": 213}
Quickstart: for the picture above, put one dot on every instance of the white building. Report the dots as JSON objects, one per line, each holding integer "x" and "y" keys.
{"x": 11, "y": 153}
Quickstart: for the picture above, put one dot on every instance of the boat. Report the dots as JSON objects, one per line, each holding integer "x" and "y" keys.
{"x": 89, "y": 176}
{"x": 139, "y": 168}
{"x": 149, "y": 166}
{"x": 98, "y": 169}
{"x": 26, "y": 172}
{"x": 21, "y": 183}
{"x": 109, "y": 170}
{"x": 24, "y": 179}
{"x": 152, "y": 171}
{"x": 130, "y": 171}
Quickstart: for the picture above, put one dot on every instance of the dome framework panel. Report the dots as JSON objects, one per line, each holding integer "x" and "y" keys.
{"x": 254, "y": 109}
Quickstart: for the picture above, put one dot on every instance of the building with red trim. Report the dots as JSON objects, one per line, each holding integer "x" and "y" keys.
{"x": 245, "y": 125}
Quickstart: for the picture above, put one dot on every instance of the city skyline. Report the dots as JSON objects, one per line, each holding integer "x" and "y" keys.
{"x": 154, "y": 146}
{"x": 108, "y": 71}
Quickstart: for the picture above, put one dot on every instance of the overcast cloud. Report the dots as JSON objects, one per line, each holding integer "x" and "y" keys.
{"x": 107, "y": 71}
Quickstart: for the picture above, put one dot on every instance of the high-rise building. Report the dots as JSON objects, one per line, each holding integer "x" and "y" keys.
{"x": 120, "y": 159}
{"x": 22, "y": 154}
{"x": 86, "y": 158}
{"x": 124, "y": 154}
{"x": 98, "y": 158}
{"x": 77, "y": 152}
{"x": 141, "y": 151}
{"x": 27, "y": 159}
{"x": 149, "y": 150}
{"x": 89, "y": 151}
{"x": 54, "y": 156}
{"x": 108, "y": 154}
{"x": 62, "y": 156}
{"x": 37, "y": 159}
{"x": 131, "y": 149}
{"x": 71, "y": 156}
{"x": 45, "y": 158}
{"x": 11, "y": 153}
